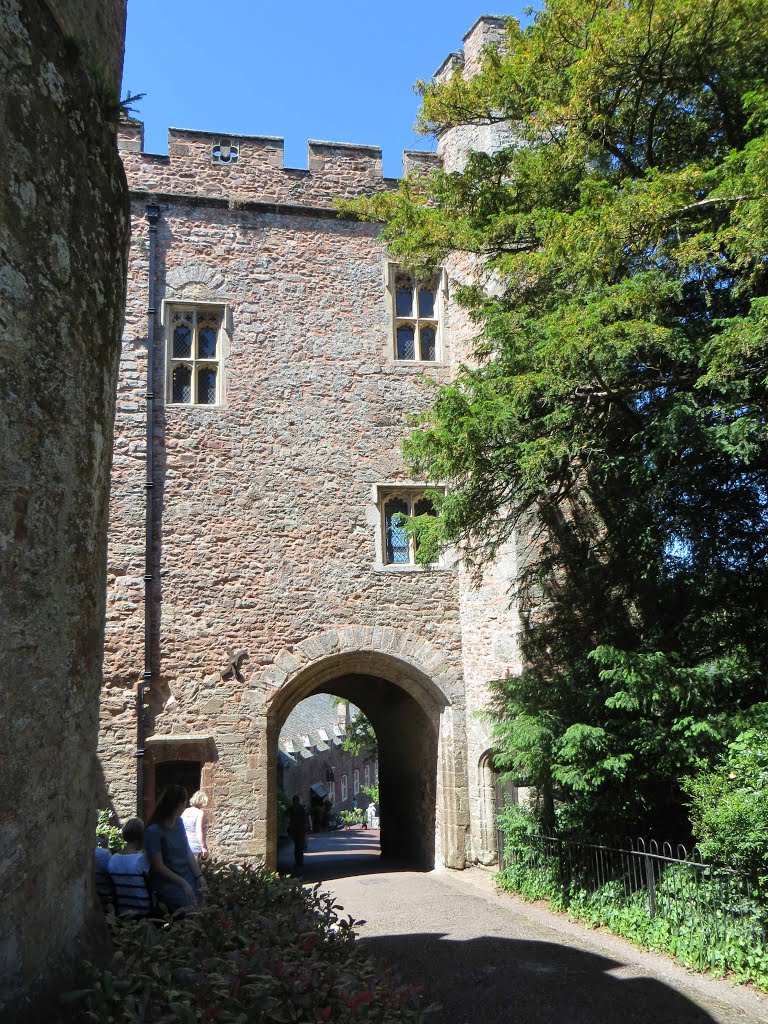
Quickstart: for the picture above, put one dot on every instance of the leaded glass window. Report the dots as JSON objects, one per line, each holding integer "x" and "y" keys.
{"x": 416, "y": 318}
{"x": 194, "y": 364}
{"x": 182, "y": 384}
{"x": 397, "y": 507}
{"x": 206, "y": 387}
{"x": 405, "y": 346}
{"x": 395, "y": 516}
{"x": 182, "y": 341}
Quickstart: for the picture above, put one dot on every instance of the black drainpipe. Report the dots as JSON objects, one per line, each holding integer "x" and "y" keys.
{"x": 153, "y": 216}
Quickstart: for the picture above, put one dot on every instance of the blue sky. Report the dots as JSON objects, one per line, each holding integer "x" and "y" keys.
{"x": 340, "y": 71}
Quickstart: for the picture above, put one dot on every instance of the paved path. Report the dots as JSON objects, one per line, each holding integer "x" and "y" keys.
{"x": 492, "y": 959}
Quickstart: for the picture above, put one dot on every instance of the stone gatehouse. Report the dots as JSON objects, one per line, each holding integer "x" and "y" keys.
{"x": 271, "y": 358}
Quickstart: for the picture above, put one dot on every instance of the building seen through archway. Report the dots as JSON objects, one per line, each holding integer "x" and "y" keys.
{"x": 404, "y": 764}
{"x": 327, "y": 755}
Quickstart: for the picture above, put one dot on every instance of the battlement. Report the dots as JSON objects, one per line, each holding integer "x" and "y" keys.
{"x": 245, "y": 168}
{"x": 486, "y": 31}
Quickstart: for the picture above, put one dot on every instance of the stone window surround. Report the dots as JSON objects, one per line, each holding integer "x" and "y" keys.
{"x": 356, "y": 782}
{"x": 379, "y": 494}
{"x": 390, "y": 271}
{"x": 167, "y": 307}
{"x": 344, "y": 789}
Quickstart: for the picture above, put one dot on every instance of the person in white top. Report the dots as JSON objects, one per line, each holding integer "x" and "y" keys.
{"x": 373, "y": 821}
{"x": 195, "y": 824}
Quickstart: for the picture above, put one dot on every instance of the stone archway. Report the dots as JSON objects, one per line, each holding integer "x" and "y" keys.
{"x": 422, "y": 760}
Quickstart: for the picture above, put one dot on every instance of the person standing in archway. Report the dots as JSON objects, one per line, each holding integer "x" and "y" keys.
{"x": 297, "y": 829}
{"x": 195, "y": 824}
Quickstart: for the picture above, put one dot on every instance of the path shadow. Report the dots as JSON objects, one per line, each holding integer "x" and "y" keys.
{"x": 509, "y": 981}
{"x": 341, "y": 854}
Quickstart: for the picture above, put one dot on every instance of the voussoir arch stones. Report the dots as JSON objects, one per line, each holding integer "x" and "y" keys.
{"x": 194, "y": 280}
{"x": 417, "y": 666}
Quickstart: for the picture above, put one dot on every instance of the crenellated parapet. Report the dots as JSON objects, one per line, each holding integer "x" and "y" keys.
{"x": 488, "y": 30}
{"x": 251, "y": 168}
{"x": 455, "y": 144}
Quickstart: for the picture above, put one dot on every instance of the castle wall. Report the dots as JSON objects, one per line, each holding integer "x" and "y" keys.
{"x": 255, "y": 173}
{"x": 265, "y": 519}
{"x": 489, "y": 617}
{"x": 265, "y": 512}
{"x": 63, "y": 237}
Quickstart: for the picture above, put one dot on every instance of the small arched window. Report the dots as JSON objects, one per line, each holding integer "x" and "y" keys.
{"x": 397, "y": 507}
{"x": 206, "y": 386}
{"x": 182, "y": 341}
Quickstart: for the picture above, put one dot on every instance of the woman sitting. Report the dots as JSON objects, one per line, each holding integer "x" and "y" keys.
{"x": 174, "y": 871}
{"x": 129, "y": 870}
{"x": 195, "y": 824}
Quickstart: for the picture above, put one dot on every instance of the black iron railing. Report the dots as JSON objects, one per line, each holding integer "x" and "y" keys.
{"x": 670, "y": 887}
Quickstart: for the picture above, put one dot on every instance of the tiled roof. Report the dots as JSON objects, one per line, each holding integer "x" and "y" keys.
{"x": 315, "y": 719}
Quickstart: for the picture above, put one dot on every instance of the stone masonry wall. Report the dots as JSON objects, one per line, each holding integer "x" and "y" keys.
{"x": 257, "y": 174}
{"x": 63, "y": 241}
{"x": 264, "y": 508}
{"x": 490, "y": 623}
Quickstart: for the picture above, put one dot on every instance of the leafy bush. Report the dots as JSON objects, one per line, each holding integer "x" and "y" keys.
{"x": 706, "y": 917}
{"x": 263, "y": 949}
{"x": 107, "y": 825}
{"x": 356, "y": 817}
{"x": 729, "y": 806}
{"x": 372, "y": 792}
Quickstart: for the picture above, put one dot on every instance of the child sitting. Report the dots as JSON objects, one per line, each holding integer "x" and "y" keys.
{"x": 129, "y": 869}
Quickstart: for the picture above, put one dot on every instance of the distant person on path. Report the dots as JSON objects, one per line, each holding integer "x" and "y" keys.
{"x": 174, "y": 871}
{"x": 370, "y": 814}
{"x": 195, "y": 824}
{"x": 129, "y": 869}
{"x": 297, "y": 829}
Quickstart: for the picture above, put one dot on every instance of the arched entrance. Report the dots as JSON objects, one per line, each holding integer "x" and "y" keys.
{"x": 421, "y": 807}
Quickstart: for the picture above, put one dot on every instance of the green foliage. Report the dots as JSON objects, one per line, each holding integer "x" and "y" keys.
{"x": 356, "y": 817}
{"x": 729, "y": 805}
{"x": 263, "y": 949}
{"x": 129, "y": 103}
{"x": 533, "y": 881}
{"x": 372, "y": 792}
{"x": 707, "y": 918}
{"x": 107, "y": 825}
{"x": 719, "y": 937}
{"x": 612, "y": 417}
{"x": 112, "y": 108}
{"x": 360, "y": 739}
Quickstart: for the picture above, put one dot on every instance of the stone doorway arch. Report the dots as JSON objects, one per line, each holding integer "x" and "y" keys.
{"x": 422, "y": 759}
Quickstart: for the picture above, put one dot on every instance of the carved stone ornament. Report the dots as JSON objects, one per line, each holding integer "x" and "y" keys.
{"x": 234, "y": 661}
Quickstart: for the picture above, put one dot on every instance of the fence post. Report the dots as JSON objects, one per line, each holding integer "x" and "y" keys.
{"x": 650, "y": 880}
